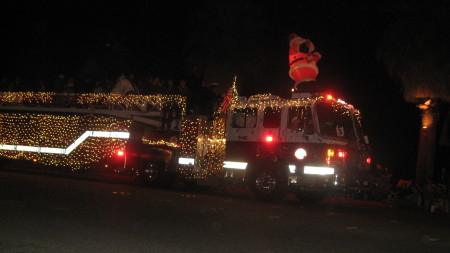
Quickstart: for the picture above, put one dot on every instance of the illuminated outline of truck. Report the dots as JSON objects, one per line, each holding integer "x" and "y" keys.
{"x": 270, "y": 144}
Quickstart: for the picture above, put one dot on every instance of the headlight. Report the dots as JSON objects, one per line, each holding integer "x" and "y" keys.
{"x": 300, "y": 153}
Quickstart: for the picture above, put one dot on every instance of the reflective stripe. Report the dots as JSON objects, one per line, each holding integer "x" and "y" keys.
{"x": 235, "y": 165}
{"x": 292, "y": 168}
{"x": 186, "y": 161}
{"x": 318, "y": 170}
{"x": 68, "y": 150}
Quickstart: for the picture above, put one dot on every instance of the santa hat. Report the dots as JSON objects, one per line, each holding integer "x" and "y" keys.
{"x": 294, "y": 39}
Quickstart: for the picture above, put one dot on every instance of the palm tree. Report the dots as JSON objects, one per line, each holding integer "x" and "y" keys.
{"x": 415, "y": 50}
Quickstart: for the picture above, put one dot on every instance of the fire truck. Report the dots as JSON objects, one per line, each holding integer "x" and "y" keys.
{"x": 306, "y": 144}
{"x": 309, "y": 144}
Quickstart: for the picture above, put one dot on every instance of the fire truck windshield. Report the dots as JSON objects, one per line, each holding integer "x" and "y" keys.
{"x": 244, "y": 118}
{"x": 335, "y": 120}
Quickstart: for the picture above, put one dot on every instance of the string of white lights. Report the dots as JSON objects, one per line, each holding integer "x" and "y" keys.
{"x": 68, "y": 150}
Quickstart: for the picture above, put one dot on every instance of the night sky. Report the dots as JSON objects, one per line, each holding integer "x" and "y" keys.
{"x": 212, "y": 41}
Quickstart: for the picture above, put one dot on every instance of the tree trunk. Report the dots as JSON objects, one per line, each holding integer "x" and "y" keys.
{"x": 427, "y": 144}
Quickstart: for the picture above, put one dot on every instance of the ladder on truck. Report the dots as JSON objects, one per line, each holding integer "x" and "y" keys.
{"x": 147, "y": 109}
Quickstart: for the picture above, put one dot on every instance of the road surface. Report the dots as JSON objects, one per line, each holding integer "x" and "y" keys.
{"x": 41, "y": 213}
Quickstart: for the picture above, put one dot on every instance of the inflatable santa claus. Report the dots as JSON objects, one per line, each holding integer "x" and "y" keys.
{"x": 302, "y": 59}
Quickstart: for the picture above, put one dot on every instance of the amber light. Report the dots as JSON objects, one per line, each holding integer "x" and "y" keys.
{"x": 338, "y": 154}
{"x": 329, "y": 96}
{"x": 330, "y": 152}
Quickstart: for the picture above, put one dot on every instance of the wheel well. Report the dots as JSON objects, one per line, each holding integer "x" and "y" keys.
{"x": 267, "y": 181}
{"x": 280, "y": 167}
{"x": 266, "y": 157}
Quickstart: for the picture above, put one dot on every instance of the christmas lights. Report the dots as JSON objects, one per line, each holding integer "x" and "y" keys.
{"x": 160, "y": 143}
{"x": 66, "y": 151}
{"x": 75, "y": 141}
{"x": 63, "y": 140}
{"x": 204, "y": 142}
{"x": 109, "y": 101}
{"x": 80, "y": 140}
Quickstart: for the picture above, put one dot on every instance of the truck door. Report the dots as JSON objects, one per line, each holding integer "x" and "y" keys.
{"x": 242, "y": 124}
{"x": 242, "y": 133}
{"x": 271, "y": 124}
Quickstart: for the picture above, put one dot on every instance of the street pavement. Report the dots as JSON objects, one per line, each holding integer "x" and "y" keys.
{"x": 43, "y": 213}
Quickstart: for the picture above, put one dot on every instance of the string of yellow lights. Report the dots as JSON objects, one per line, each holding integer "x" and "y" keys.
{"x": 34, "y": 133}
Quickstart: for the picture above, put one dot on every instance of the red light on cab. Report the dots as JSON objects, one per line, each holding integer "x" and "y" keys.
{"x": 269, "y": 138}
{"x": 342, "y": 154}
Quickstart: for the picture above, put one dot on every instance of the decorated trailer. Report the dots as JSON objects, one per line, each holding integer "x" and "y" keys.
{"x": 107, "y": 133}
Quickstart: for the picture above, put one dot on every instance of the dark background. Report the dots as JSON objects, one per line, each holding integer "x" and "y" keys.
{"x": 211, "y": 41}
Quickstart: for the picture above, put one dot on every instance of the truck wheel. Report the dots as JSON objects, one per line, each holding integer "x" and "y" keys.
{"x": 266, "y": 184}
{"x": 151, "y": 174}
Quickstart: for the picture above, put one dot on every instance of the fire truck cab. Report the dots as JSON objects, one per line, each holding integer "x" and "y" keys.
{"x": 307, "y": 145}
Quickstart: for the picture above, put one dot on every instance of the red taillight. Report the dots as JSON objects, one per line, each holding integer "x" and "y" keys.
{"x": 269, "y": 138}
{"x": 369, "y": 160}
{"x": 329, "y": 96}
{"x": 120, "y": 153}
{"x": 342, "y": 154}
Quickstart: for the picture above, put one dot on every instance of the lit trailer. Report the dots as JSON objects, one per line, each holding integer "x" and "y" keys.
{"x": 306, "y": 145}
{"x": 105, "y": 133}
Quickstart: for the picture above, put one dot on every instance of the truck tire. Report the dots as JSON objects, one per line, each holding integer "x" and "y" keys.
{"x": 151, "y": 174}
{"x": 267, "y": 183}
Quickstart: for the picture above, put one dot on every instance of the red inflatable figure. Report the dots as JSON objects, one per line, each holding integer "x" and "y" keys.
{"x": 302, "y": 59}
